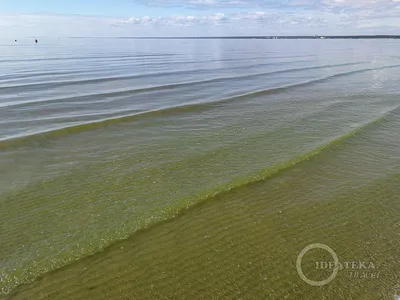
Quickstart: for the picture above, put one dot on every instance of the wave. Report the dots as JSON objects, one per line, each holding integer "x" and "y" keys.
{"x": 59, "y": 131}
{"x": 153, "y": 88}
{"x": 27, "y": 74}
{"x": 269, "y": 172}
{"x": 140, "y": 57}
{"x": 57, "y": 84}
{"x": 242, "y": 182}
{"x": 85, "y": 58}
{"x": 94, "y": 57}
{"x": 40, "y": 74}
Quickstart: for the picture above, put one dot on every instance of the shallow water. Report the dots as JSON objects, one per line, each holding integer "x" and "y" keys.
{"x": 198, "y": 169}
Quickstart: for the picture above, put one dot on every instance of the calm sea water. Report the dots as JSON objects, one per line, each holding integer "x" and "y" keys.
{"x": 199, "y": 169}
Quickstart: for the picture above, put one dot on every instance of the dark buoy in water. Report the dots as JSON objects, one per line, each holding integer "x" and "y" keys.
{"x": 36, "y": 41}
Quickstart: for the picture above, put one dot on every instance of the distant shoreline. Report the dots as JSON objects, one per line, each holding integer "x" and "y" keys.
{"x": 304, "y": 37}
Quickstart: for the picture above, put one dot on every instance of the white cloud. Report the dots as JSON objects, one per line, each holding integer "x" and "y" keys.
{"x": 328, "y": 17}
{"x": 294, "y": 22}
{"x": 176, "y": 21}
{"x": 361, "y": 4}
{"x": 268, "y": 3}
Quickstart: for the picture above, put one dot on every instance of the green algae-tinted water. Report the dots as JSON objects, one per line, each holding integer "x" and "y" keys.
{"x": 199, "y": 169}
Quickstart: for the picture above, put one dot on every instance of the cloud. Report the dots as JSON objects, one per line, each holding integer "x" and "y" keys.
{"x": 199, "y": 3}
{"x": 268, "y": 3}
{"x": 43, "y": 25}
{"x": 306, "y": 21}
{"x": 177, "y": 20}
{"x": 360, "y": 3}
{"x": 321, "y": 17}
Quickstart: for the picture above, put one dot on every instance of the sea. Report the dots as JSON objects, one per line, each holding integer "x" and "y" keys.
{"x": 199, "y": 169}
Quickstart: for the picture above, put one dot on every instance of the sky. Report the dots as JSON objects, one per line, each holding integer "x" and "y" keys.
{"x": 112, "y": 18}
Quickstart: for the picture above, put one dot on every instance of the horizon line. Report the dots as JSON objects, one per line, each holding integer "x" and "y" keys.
{"x": 355, "y": 36}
